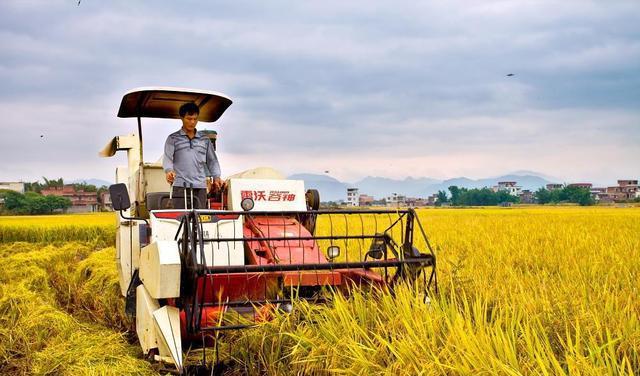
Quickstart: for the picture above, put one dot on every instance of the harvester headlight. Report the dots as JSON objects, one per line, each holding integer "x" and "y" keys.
{"x": 333, "y": 251}
{"x": 247, "y": 203}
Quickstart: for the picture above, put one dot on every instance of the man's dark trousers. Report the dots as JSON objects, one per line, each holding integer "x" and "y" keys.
{"x": 199, "y": 198}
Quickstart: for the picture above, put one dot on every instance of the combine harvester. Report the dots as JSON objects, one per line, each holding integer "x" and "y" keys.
{"x": 189, "y": 274}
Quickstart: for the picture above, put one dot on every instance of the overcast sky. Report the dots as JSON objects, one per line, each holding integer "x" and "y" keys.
{"x": 356, "y": 88}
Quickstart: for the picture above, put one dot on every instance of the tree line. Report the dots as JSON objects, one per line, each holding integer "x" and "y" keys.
{"x": 37, "y": 186}
{"x": 487, "y": 197}
{"x": 574, "y": 194}
{"x": 33, "y": 203}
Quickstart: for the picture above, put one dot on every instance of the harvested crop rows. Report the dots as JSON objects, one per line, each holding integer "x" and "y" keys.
{"x": 522, "y": 291}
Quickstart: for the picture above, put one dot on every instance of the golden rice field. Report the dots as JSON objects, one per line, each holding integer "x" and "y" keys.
{"x": 94, "y": 227}
{"x": 531, "y": 291}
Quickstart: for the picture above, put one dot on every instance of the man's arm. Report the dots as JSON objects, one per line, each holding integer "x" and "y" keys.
{"x": 213, "y": 169}
{"x": 167, "y": 160}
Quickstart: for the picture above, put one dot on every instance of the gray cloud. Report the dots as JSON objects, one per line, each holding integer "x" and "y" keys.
{"x": 418, "y": 86}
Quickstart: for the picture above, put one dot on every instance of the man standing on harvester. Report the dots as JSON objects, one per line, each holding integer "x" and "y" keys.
{"x": 190, "y": 161}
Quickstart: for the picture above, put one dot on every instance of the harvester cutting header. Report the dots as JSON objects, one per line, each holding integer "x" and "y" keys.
{"x": 259, "y": 243}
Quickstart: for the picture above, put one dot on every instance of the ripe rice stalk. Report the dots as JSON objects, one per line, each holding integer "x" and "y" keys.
{"x": 532, "y": 291}
{"x": 523, "y": 291}
{"x": 94, "y": 227}
{"x": 39, "y": 335}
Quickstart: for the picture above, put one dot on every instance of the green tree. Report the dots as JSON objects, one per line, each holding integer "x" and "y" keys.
{"x": 58, "y": 202}
{"x": 476, "y": 197}
{"x": 36, "y": 203}
{"x": 579, "y": 195}
{"x": 543, "y": 196}
{"x": 455, "y": 194}
{"x": 35, "y": 186}
{"x": 504, "y": 196}
{"x": 33, "y": 203}
{"x": 14, "y": 202}
{"x": 442, "y": 198}
{"x": 85, "y": 187}
{"x": 479, "y": 196}
{"x": 53, "y": 183}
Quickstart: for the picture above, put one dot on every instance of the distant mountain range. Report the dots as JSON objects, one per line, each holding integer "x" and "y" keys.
{"x": 379, "y": 187}
{"x": 332, "y": 189}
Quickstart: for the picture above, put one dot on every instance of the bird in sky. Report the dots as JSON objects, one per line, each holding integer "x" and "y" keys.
{"x": 510, "y": 75}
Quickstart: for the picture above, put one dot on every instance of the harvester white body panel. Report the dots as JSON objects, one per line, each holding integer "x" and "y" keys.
{"x": 127, "y": 251}
{"x": 122, "y": 175}
{"x": 225, "y": 253}
{"x": 167, "y": 325}
{"x": 145, "y": 329}
{"x": 160, "y": 269}
{"x": 158, "y": 328}
{"x": 154, "y": 179}
{"x": 275, "y": 195}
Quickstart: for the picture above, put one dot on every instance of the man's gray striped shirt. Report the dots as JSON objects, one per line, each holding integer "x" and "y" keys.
{"x": 191, "y": 159}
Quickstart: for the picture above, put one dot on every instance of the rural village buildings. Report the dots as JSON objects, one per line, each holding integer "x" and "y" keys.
{"x": 13, "y": 186}
{"x": 81, "y": 201}
{"x": 396, "y": 200}
{"x": 353, "y": 197}
{"x": 509, "y": 186}
{"x": 626, "y": 190}
{"x": 105, "y": 200}
{"x": 365, "y": 200}
{"x": 527, "y": 197}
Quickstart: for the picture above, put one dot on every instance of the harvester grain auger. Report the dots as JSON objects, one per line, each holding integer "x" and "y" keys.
{"x": 263, "y": 244}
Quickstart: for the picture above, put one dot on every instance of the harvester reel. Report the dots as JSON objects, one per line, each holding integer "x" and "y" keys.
{"x": 412, "y": 272}
{"x": 383, "y": 243}
{"x": 378, "y": 248}
{"x": 398, "y": 256}
{"x": 191, "y": 250}
{"x": 187, "y": 258}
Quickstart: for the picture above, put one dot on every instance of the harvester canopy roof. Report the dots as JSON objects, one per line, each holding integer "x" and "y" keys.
{"x": 164, "y": 103}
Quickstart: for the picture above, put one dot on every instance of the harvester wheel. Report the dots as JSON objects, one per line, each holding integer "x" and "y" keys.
{"x": 313, "y": 199}
{"x": 308, "y": 220}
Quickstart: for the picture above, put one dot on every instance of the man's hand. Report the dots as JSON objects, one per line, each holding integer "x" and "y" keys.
{"x": 171, "y": 176}
{"x": 217, "y": 184}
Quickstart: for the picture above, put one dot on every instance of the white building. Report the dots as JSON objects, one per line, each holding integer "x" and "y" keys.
{"x": 353, "y": 197}
{"x": 508, "y": 186}
{"x": 13, "y": 186}
{"x": 396, "y": 200}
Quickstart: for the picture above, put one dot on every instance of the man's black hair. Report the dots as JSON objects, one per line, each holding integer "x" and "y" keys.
{"x": 189, "y": 108}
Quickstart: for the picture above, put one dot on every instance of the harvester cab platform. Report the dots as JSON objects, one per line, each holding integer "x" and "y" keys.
{"x": 262, "y": 244}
